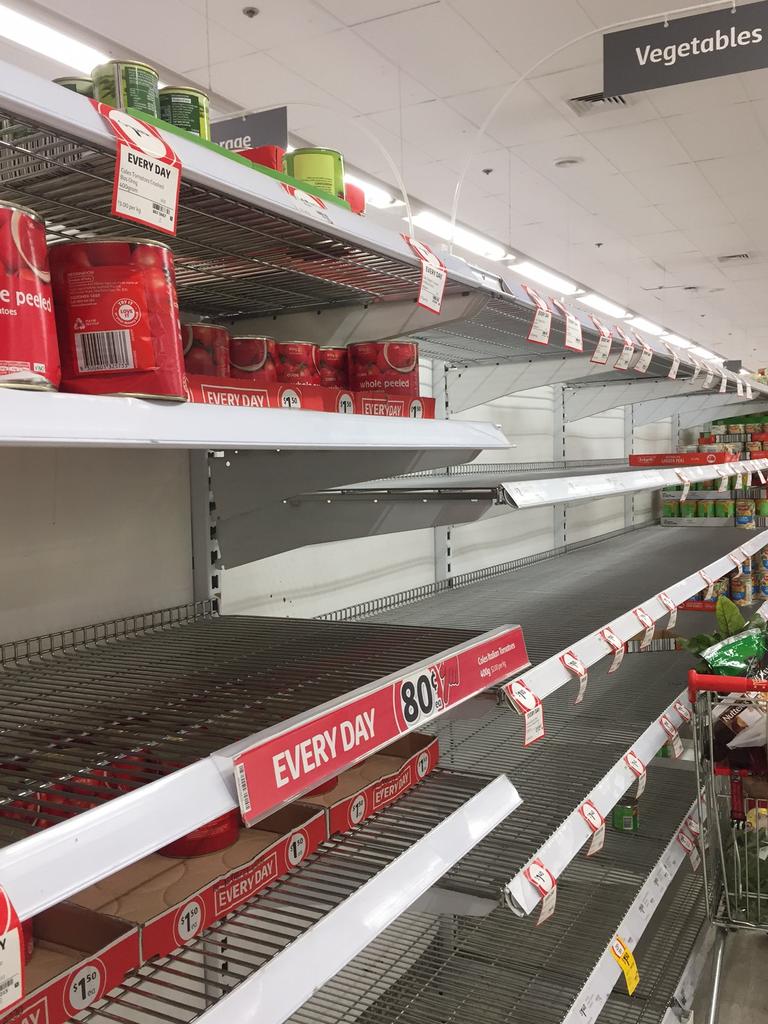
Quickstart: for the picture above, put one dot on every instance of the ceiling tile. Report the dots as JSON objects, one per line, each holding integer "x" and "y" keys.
{"x": 694, "y": 97}
{"x": 524, "y": 116}
{"x": 634, "y": 146}
{"x": 542, "y": 156}
{"x": 276, "y": 21}
{"x": 584, "y": 81}
{"x": 701, "y": 212}
{"x": 736, "y": 174}
{"x": 666, "y": 243}
{"x": 720, "y": 132}
{"x": 681, "y": 183}
{"x": 637, "y": 220}
{"x": 353, "y": 12}
{"x": 718, "y": 239}
{"x": 434, "y": 128}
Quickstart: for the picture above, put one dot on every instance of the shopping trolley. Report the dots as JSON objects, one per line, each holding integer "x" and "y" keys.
{"x": 730, "y": 731}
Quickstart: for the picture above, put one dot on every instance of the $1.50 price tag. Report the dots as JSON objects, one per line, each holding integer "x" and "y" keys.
{"x": 603, "y": 349}
{"x": 636, "y": 766}
{"x": 596, "y": 823}
{"x": 576, "y": 666}
{"x": 647, "y": 622}
{"x": 672, "y": 734}
{"x": 573, "y": 337}
{"x": 529, "y": 705}
{"x": 545, "y": 883}
{"x": 624, "y": 957}
{"x": 671, "y": 607}
{"x": 542, "y": 320}
{"x": 433, "y": 276}
{"x": 617, "y": 646}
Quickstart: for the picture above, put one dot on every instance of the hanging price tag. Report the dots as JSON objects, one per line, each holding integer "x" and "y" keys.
{"x": 692, "y": 824}
{"x": 577, "y": 667}
{"x": 675, "y": 356}
{"x": 682, "y": 710}
{"x": 724, "y": 476}
{"x": 617, "y": 646}
{"x": 685, "y": 482}
{"x": 672, "y": 734}
{"x": 603, "y": 349}
{"x": 737, "y": 560}
{"x": 739, "y": 387}
{"x": 644, "y": 361}
{"x": 11, "y": 954}
{"x": 596, "y": 824}
{"x": 627, "y": 351}
{"x": 723, "y": 384}
{"x": 645, "y": 620}
{"x": 545, "y": 884}
{"x": 710, "y": 585}
{"x": 690, "y": 848}
{"x": 709, "y": 379}
{"x": 748, "y": 389}
{"x": 433, "y": 276}
{"x": 636, "y": 766}
{"x": 542, "y": 319}
{"x": 696, "y": 369}
{"x": 573, "y": 337}
{"x": 147, "y": 172}
{"x": 671, "y": 607}
{"x": 624, "y": 957}
{"x": 760, "y": 474}
{"x": 527, "y": 704}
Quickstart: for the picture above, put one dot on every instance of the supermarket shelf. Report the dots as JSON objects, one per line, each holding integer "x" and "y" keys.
{"x": 589, "y": 399}
{"x": 731, "y": 406}
{"x": 492, "y": 474}
{"x": 698, "y": 409}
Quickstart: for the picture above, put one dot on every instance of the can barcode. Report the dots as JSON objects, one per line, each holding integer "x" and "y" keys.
{"x": 242, "y": 788}
{"x": 161, "y": 210}
{"x": 104, "y": 350}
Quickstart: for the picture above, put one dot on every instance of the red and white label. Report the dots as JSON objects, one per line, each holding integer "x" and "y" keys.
{"x": 682, "y": 710}
{"x": 433, "y": 276}
{"x": 693, "y": 826}
{"x": 573, "y": 336}
{"x": 710, "y": 377}
{"x": 644, "y": 361}
{"x": 596, "y": 823}
{"x": 690, "y": 848}
{"x": 541, "y": 324}
{"x": 647, "y": 622}
{"x": 617, "y": 646}
{"x": 672, "y": 734}
{"x": 576, "y": 667}
{"x": 603, "y": 349}
{"x": 306, "y": 203}
{"x": 675, "y": 355}
{"x": 147, "y": 172}
{"x": 685, "y": 482}
{"x": 710, "y": 585}
{"x": 636, "y": 766}
{"x": 696, "y": 369}
{"x": 723, "y": 384}
{"x": 277, "y": 770}
{"x": 724, "y": 477}
{"x": 11, "y": 954}
{"x": 545, "y": 884}
{"x": 529, "y": 705}
{"x": 627, "y": 352}
{"x": 671, "y": 607}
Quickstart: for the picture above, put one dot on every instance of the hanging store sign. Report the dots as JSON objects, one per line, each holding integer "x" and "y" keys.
{"x": 709, "y": 45}
{"x": 249, "y": 131}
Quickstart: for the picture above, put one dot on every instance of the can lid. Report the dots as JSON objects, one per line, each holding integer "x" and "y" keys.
{"x": 127, "y": 63}
{"x": 204, "y": 323}
{"x": 251, "y": 337}
{"x": 72, "y": 78}
{"x": 333, "y": 348}
{"x": 111, "y": 239}
{"x": 309, "y": 150}
{"x": 184, "y": 90}
{"x": 23, "y": 209}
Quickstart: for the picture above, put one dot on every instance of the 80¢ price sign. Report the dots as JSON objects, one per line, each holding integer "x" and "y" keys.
{"x": 419, "y": 696}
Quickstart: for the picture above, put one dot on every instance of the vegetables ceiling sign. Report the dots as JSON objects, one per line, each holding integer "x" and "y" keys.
{"x": 710, "y": 45}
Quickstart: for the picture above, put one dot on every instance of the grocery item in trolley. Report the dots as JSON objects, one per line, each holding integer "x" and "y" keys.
{"x": 118, "y": 318}
{"x": 322, "y": 168}
{"x": 29, "y": 353}
{"x": 332, "y": 364}
{"x": 390, "y": 366}
{"x": 297, "y": 363}
{"x": 127, "y": 83}
{"x": 206, "y": 349}
{"x": 187, "y": 109}
{"x": 81, "y": 85}
{"x": 253, "y": 357}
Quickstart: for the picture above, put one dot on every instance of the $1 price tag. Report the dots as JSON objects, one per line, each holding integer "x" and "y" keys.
{"x": 636, "y": 766}
{"x": 617, "y": 646}
{"x": 671, "y": 607}
{"x": 603, "y": 349}
{"x": 685, "y": 482}
{"x": 627, "y": 351}
{"x": 642, "y": 364}
{"x": 647, "y": 622}
{"x": 723, "y": 384}
{"x": 673, "y": 735}
{"x": 545, "y": 883}
{"x": 596, "y": 823}
{"x": 527, "y": 704}
{"x": 542, "y": 319}
{"x": 576, "y": 666}
{"x": 433, "y": 276}
{"x": 573, "y": 337}
{"x": 672, "y": 375}
{"x": 760, "y": 474}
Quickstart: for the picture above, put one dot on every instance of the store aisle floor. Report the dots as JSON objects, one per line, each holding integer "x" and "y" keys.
{"x": 744, "y": 998}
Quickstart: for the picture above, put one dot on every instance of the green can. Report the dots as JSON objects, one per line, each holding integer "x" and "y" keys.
{"x": 671, "y": 508}
{"x": 127, "y": 83}
{"x": 761, "y": 507}
{"x": 323, "y": 168}
{"x": 82, "y": 85}
{"x": 626, "y": 817}
{"x": 187, "y": 109}
{"x": 705, "y": 485}
{"x": 705, "y": 508}
{"x": 688, "y": 509}
{"x": 725, "y": 508}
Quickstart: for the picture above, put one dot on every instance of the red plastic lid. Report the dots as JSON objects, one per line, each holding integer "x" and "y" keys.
{"x": 215, "y": 835}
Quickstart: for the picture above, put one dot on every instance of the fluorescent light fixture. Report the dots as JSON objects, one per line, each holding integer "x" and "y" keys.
{"x": 677, "y": 341}
{"x": 704, "y": 353}
{"x": 745, "y": 372}
{"x": 603, "y": 305}
{"x": 375, "y": 195}
{"x": 37, "y": 36}
{"x": 465, "y": 239}
{"x": 645, "y": 325}
{"x": 536, "y": 273}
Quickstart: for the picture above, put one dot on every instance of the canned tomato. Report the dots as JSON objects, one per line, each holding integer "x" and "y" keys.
{"x": 735, "y": 428}
{"x": 118, "y": 318}
{"x": 745, "y": 513}
{"x": 323, "y": 168}
{"x": 84, "y": 86}
{"x": 187, "y": 109}
{"x": 391, "y": 366}
{"x": 253, "y": 358}
{"x": 297, "y": 363}
{"x": 332, "y": 364}
{"x": 754, "y": 446}
{"x": 29, "y": 353}
{"x": 206, "y": 349}
{"x": 127, "y": 83}
{"x": 214, "y": 835}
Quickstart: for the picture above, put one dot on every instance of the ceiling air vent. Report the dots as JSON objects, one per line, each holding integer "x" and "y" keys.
{"x": 596, "y": 103}
{"x": 735, "y": 257}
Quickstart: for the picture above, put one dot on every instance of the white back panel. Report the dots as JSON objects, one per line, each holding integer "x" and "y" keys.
{"x": 594, "y": 518}
{"x": 595, "y": 437}
{"x": 501, "y": 538}
{"x": 648, "y": 438}
{"x": 526, "y": 419}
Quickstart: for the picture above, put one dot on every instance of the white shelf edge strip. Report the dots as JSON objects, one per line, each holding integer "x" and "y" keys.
{"x": 276, "y": 991}
{"x": 593, "y": 996}
{"x": 564, "y": 844}
{"x": 682, "y": 1000}
{"x": 550, "y": 675}
{"x": 557, "y": 490}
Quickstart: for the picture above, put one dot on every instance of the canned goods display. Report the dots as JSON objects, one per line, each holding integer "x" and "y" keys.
{"x": 734, "y": 428}
{"x": 253, "y": 358}
{"x": 670, "y": 508}
{"x": 705, "y": 485}
{"x": 688, "y": 509}
{"x": 323, "y": 168}
{"x": 297, "y": 363}
{"x": 705, "y": 507}
{"x": 206, "y": 349}
{"x": 762, "y": 585}
{"x": 745, "y": 514}
{"x": 127, "y": 83}
{"x": 118, "y": 318}
{"x": 391, "y": 366}
{"x": 626, "y": 817}
{"x": 84, "y": 86}
{"x": 754, "y": 446}
{"x": 761, "y": 506}
{"x": 741, "y": 589}
{"x": 720, "y": 588}
{"x": 214, "y": 835}
{"x": 332, "y": 364}
{"x": 725, "y": 508}
{"x": 29, "y": 352}
{"x": 187, "y": 109}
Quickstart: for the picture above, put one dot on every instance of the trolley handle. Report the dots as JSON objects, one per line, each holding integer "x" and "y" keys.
{"x": 698, "y": 683}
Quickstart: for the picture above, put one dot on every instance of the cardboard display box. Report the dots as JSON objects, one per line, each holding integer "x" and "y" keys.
{"x": 79, "y": 956}
{"x": 172, "y": 899}
{"x": 379, "y": 780}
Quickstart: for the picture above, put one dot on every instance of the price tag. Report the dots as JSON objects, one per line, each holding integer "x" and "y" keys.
{"x": 596, "y": 823}
{"x": 577, "y": 667}
{"x": 685, "y": 482}
{"x": 147, "y": 172}
{"x": 645, "y": 620}
{"x": 760, "y": 474}
{"x": 545, "y": 884}
{"x": 671, "y": 607}
{"x": 673, "y": 735}
{"x": 644, "y": 361}
{"x": 542, "y": 319}
{"x": 675, "y": 355}
{"x": 708, "y": 380}
{"x": 748, "y": 389}
{"x": 737, "y": 560}
{"x": 527, "y": 704}
{"x": 617, "y": 646}
{"x": 710, "y": 585}
{"x": 11, "y": 954}
{"x": 690, "y": 848}
{"x": 627, "y": 351}
{"x": 682, "y": 710}
{"x": 739, "y": 387}
{"x": 696, "y": 369}
{"x": 624, "y": 957}
{"x": 636, "y": 766}
{"x": 573, "y": 336}
{"x": 723, "y": 384}
{"x": 724, "y": 475}
{"x": 603, "y": 349}
{"x": 433, "y": 276}
{"x": 693, "y": 826}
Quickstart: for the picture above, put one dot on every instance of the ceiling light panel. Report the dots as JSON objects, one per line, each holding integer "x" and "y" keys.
{"x": 34, "y": 35}
{"x": 541, "y": 275}
{"x": 603, "y": 305}
{"x": 465, "y": 239}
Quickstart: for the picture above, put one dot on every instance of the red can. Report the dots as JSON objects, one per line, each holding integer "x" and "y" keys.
{"x": 215, "y": 835}
{"x": 206, "y": 349}
{"x": 391, "y": 366}
{"x": 29, "y": 352}
{"x": 118, "y": 318}
{"x": 332, "y": 364}
{"x": 297, "y": 363}
{"x": 253, "y": 358}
